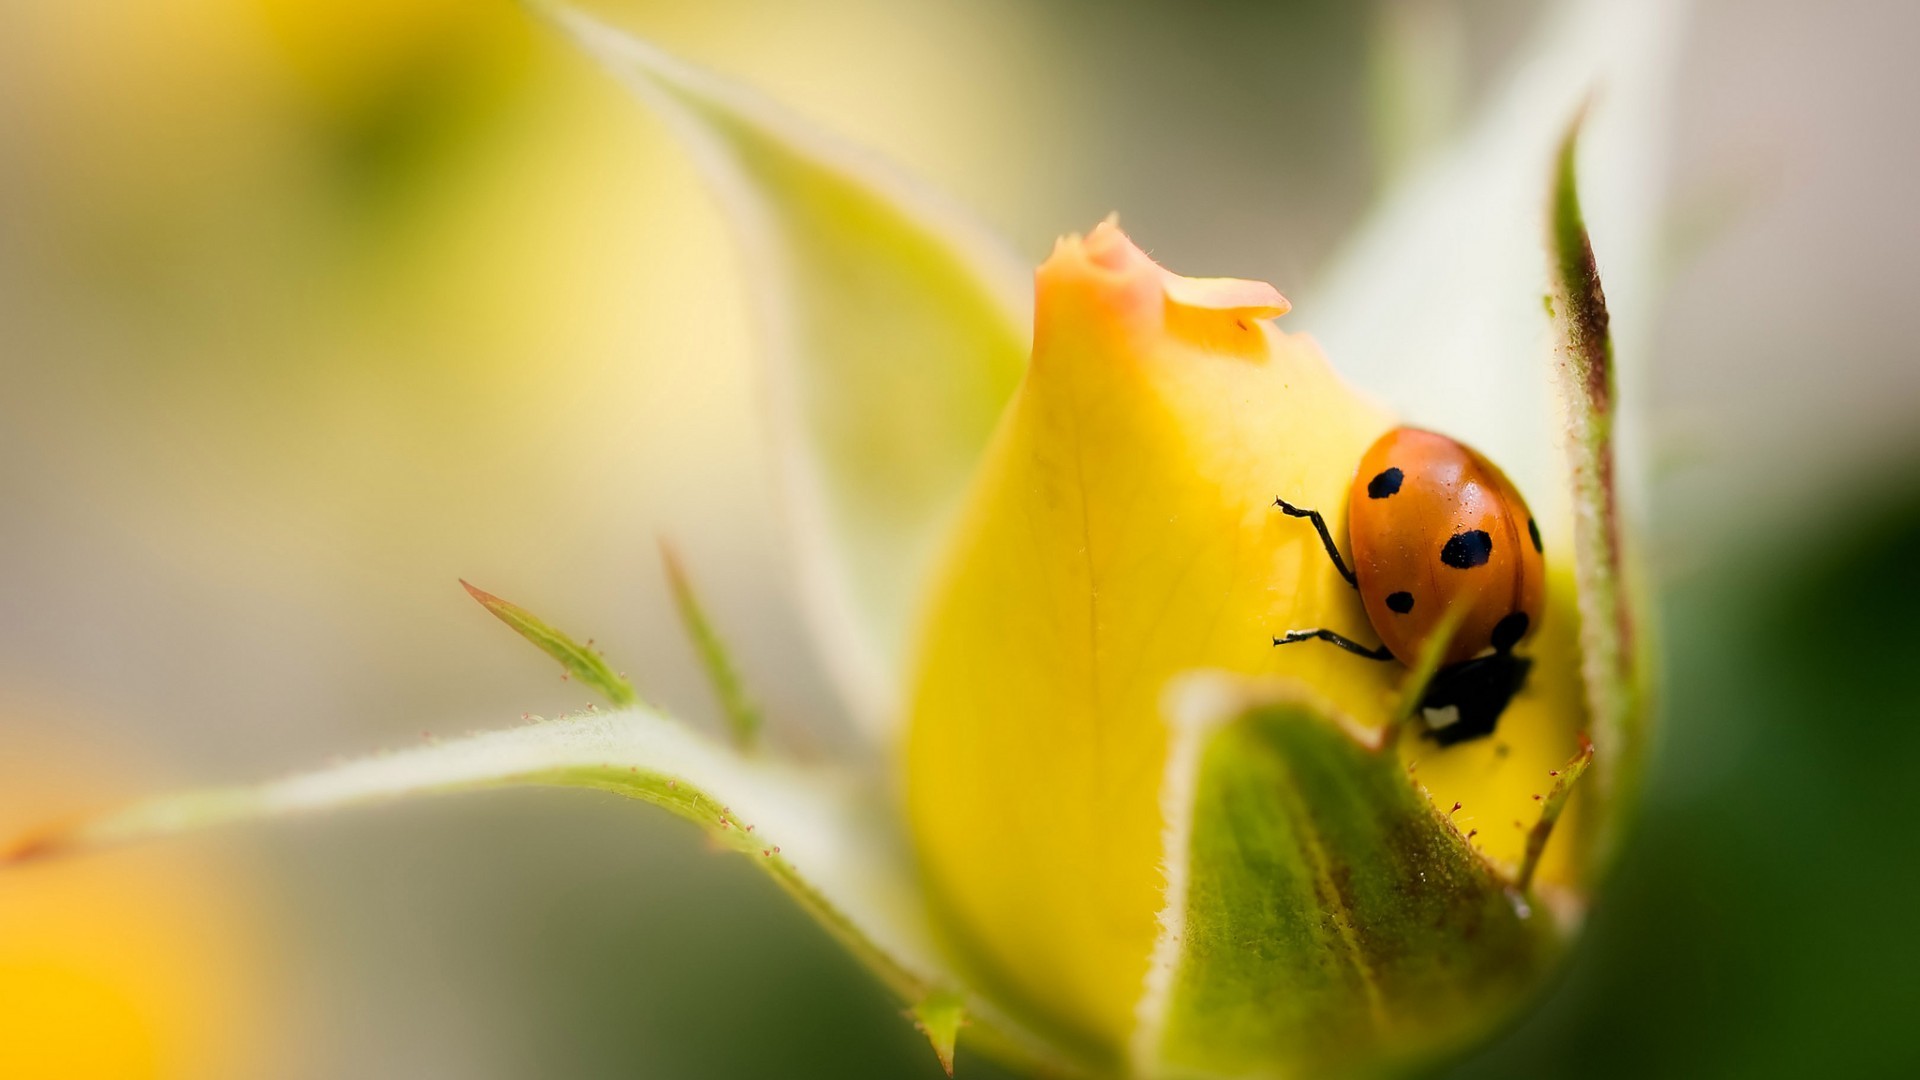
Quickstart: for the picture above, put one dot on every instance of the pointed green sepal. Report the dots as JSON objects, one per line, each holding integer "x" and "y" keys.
{"x": 743, "y": 716}
{"x": 1551, "y": 807}
{"x": 939, "y": 1016}
{"x": 1612, "y": 644}
{"x": 583, "y": 665}
{"x": 1323, "y": 917}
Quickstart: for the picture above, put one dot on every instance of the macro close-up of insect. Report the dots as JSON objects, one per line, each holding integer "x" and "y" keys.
{"x": 1443, "y": 544}
{"x": 897, "y": 441}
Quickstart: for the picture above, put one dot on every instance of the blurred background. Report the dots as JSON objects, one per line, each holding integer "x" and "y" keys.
{"x": 307, "y": 309}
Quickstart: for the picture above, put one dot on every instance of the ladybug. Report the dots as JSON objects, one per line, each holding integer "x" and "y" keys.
{"x": 1437, "y": 529}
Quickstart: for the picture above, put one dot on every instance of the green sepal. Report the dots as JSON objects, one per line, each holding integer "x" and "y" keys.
{"x": 1323, "y": 918}
{"x": 893, "y": 331}
{"x": 1551, "y": 807}
{"x": 583, "y": 665}
{"x": 939, "y": 1017}
{"x": 1613, "y": 643}
{"x": 743, "y": 716}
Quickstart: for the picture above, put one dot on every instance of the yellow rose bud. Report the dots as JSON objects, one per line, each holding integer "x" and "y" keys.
{"x": 1121, "y": 532}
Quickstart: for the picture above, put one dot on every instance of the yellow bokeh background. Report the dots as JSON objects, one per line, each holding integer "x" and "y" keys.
{"x": 136, "y": 964}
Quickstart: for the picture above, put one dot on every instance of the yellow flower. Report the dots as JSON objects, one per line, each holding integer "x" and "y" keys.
{"x": 1128, "y": 836}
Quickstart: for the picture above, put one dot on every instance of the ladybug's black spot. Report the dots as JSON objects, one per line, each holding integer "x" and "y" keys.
{"x": 1533, "y": 530}
{"x": 1387, "y": 483}
{"x": 1508, "y": 631}
{"x": 1466, "y": 550}
{"x": 1400, "y": 603}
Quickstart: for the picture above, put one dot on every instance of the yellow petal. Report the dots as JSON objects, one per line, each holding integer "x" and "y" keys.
{"x": 1121, "y": 531}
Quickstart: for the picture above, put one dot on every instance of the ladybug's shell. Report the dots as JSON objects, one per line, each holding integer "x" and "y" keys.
{"x": 1452, "y": 534}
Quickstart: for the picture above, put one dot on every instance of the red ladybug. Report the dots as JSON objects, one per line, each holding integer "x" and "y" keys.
{"x": 1435, "y": 529}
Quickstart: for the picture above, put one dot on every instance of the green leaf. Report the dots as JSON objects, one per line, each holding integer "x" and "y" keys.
{"x": 1612, "y": 642}
{"x": 1434, "y": 305}
{"x": 744, "y": 719}
{"x": 1322, "y": 916}
{"x": 892, "y": 334}
{"x": 581, "y": 662}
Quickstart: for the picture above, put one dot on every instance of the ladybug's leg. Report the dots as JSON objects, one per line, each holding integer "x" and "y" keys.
{"x": 1320, "y": 526}
{"x": 1352, "y": 646}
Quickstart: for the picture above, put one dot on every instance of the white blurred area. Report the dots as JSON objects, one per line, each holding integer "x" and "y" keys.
{"x": 307, "y": 310}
